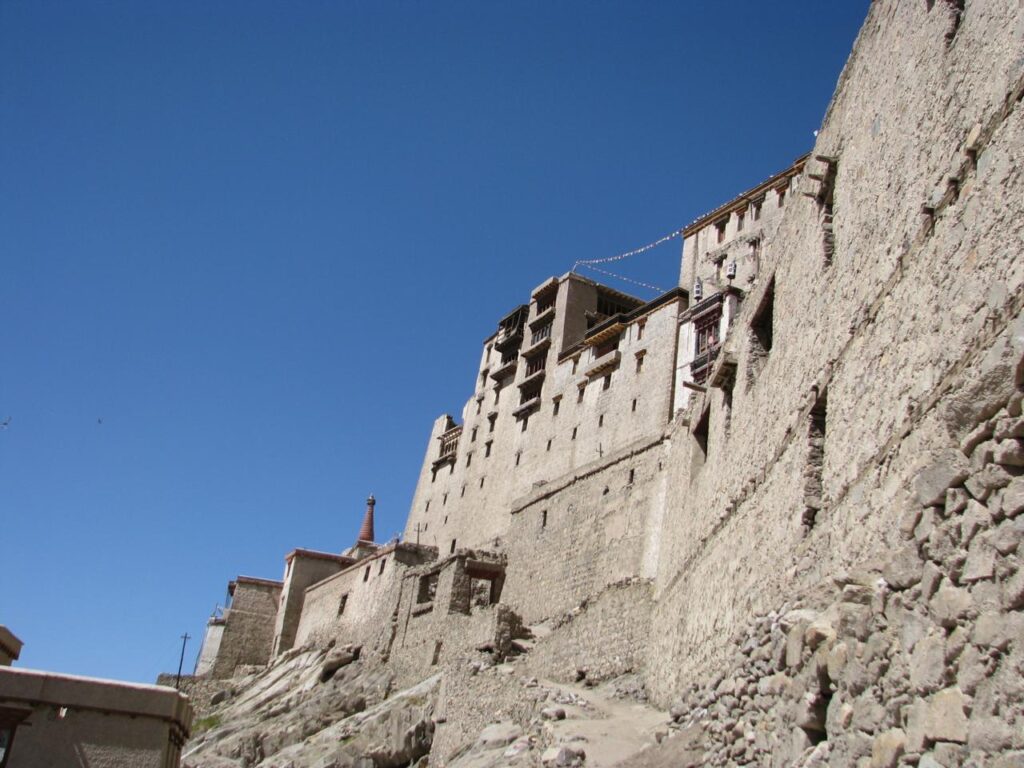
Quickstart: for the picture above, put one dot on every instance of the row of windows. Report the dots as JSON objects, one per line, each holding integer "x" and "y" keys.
{"x": 755, "y": 214}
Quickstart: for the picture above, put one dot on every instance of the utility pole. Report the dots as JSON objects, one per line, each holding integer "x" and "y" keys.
{"x": 184, "y": 639}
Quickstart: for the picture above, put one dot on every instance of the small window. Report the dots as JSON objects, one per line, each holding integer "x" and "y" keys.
{"x": 544, "y": 518}
{"x": 607, "y": 382}
{"x": 640, "y": 329}
{"x": 555, "y": 405}
{"x": 342, "y": 603}
{"x": 524, "y": 423}
{"x": 575, "y": 363}
{"x": 487, "y": 448}
{"x": 518, "y": 454}
{"x": 755, "y": 210}
{"x": 469, "y": 459}
{"x": 427, "y": 588}
{"x": 632, "y": 474}
{"x": 720, "y": 231}
{"x": 462, "y": 492}
{"x": 700, "y": 439}
{"x": 579, "y": 393}
{"x": 762, "y": 332}
{"x": 574, "y": 433}
{"x": 366, "y": 574}
{"x": 472, "y": 435}
{"x": 479, "y": 405}
{"x": 444, "y": 499}
{"x": 492, "y": 418}
{"x": 781, "y": 191}
{"x": 600, "y": 420}
{"x": 481, "y": 482}
{"x": 383, "y": 562}
{"x": 633, "y": 408}
{"x": 427, "y": 508}
{"x": 452, "y": 548}
{"x": 549, "y": 445}
{"x": 740, "y": 217}
{"x": 640, "y": 360}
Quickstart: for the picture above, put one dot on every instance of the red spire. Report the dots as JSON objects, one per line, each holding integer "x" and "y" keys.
{"x": 366, "y": 532}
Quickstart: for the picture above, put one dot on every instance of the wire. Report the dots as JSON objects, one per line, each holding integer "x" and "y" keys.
{"x": 627, "y": 254}
{"x": 627, "y": 279}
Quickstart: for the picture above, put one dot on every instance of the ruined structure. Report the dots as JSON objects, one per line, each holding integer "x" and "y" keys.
{"x": 785, "y": 494}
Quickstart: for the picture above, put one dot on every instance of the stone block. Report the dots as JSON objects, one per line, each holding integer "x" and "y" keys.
{"x": 947, "y": 469}
{"x": 1009, "y": 427}
{"x": 888, "y": 748}
{"x": 928, "y": 663}
{"x": 976, "y": 517}
{"x": 499, "y": 735}
{"x": 946, "y": 719}
{"x": 981, "y": 560}
{"x": 904, "y": 569}
{"x": 989, "y": 734}
{"x": 1007, "y": 536}
{"x": 1013, "y": 592}
{"x": 949, "y": 604}
{"x": 1009, "y": 453}
{"x": 1013, "y": 498}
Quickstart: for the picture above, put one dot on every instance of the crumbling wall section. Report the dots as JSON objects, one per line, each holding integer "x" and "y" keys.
{"x": 912, "y": 659}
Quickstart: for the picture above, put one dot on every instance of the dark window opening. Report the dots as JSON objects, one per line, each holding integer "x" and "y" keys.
{"x": 437, "y": 653}
{"x": 556, "y": 404}
{"x": 575, "y": 363}
{"x": 487, "y": 448}
{"x": 607, "y": 382}
{"x": 640, "y": 329}
{"x": 444, "y": 499}
{"x": 606, "y": 348}
{"x": 469, "y": 459}
{"x": 781, "y": 192}
{"x": 342, "y": 603}
{"x": 700, "y": 440}
{"x": 427, "y": 508}
{"x": 452, "y": 548}
{"x": 536, "y": 364}
{"x": 383, "y": 561}
{"x": 518, "y": 455}
{"x": 544, "y": 332}
{"x": 720, "y": 231}
{"x": 762, "y": 332}
{"x": 427, "y": 588}
{"x": 574, "y": 433}
{"x": 549, "y": 445}
{"x": 579, "y": 393}
{"x": 481, "y": 482}
{"x": 546, "y": 302}
{"x": 544, "y": 518}
{"x": 755, "y": 210}
{"x": 600, "y": 420}
{"x": 366, "y": 574}
{"x": 632, "y": 475}
{"x": 640, "y": 361}
{"x": 525, "y": 422}
{"x": 463, "y": 492}
{"x": 491, "y": 419}
{"x": 472, "y": 435}
{"x": 814, "y": 467}
{"x": 633, "y": 409}
{"x": 740, "y": 218}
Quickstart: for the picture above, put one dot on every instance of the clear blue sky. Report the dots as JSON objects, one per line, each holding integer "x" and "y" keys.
{"x": 249, "y": 250}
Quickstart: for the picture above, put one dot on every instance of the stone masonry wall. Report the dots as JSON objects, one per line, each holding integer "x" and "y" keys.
{"x": 603, "y": 637}
{"x": 914, "y": 659}
{"x": 372, "y": 587}
{"x": 573, "y": 537}
{"x": 248, "y": 626}
{"x": 900, "y": 337}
